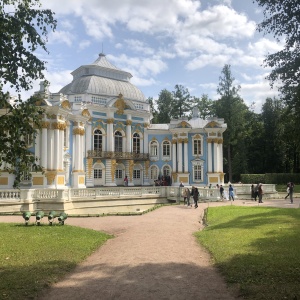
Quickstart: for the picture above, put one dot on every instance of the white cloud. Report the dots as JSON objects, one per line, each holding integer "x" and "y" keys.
{"x": 84, "y": 44}
{"x": 64, "y": 37}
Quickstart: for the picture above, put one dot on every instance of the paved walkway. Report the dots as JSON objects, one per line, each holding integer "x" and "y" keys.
{"x": 153, "y": 256}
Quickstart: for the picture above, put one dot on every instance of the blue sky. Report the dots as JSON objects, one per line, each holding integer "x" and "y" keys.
{"x": 163, "y": 43}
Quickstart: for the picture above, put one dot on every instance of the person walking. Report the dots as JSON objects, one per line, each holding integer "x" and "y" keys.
{"x": 221, "y": 192}
{"x": 186, "y": 196}
{"x": 256, "y": 191}
{"x": 287, "y": 190}
{"x": 231, "y": 193}
{"x": 291, "y": 191}
{"x": 195, "y": 194}
{"x": 260, "y": 193}
{"x": 252, "y": 192}
{"x": 126, "y": 181}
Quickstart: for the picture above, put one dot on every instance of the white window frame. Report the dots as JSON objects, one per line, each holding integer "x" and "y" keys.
{"x": 199, "y": 150}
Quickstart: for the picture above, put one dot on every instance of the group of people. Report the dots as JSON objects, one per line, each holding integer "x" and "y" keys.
{"x": 257, "y": 192}
{"x": 163, "y": 181}
{"x": 223, "y": 193}
{"x": 187, "y": 194}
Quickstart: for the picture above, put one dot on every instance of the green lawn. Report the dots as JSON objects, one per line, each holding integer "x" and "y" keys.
{"x": 32, "y": 257}
{"x": 257, "y": 249}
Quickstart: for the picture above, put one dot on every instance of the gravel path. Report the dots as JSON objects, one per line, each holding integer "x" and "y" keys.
{"x": 153, "y": 256}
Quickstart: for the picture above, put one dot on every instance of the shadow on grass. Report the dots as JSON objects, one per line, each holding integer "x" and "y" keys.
{"x": 269, "y": 266}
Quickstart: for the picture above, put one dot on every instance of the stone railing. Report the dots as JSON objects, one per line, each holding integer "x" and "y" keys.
{"x": 171, "y": 192}
{"x": 117, "y": 155}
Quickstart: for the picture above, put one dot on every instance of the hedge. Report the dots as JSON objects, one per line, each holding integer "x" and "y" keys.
{"x": 271, "y": 178}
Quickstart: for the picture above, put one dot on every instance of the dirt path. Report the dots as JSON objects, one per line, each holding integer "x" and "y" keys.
{"x": 153, "y": 256}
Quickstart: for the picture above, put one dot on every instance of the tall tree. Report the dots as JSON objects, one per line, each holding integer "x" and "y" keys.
{"x": 164, "y": 106}
{"x": 182, "y": 102}
{"x": 282, "y": 19}
{"x": 232, "y": 108}
{"x": 23, "y": 30}
{"x": 205, "y": 105}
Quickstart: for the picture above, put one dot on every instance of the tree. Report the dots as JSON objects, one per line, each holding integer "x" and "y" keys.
{"x": 23, "y": 30}
{"x": 232, "y": 108}
{"x": 182, "y": 102}
{"x": 205, "y": 105}
{"x": 164, "y": 106}
{"x": 282, "y": 19}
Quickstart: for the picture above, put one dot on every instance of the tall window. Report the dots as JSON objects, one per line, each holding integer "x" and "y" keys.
{"x": 136, "y": 143}
{"x": 166, "y": 170}
{"x": 98, "y": 173}
{"x": 153, "y": 148}
{"x": 197, "y": 173}
{"x": 118, "y": 141}
{"x": 166, "y": 149}
{"x": 98, "y": 139}
{"x": 153, "y": 173}
{"x": 197, "y": 146}
{"x": 136, "y": 174}
{"x": 119, "y": 174}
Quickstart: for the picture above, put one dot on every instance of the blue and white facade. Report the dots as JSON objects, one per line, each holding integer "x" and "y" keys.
{"x": 97, "y": 129}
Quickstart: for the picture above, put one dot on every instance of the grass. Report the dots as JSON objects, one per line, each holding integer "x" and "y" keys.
{"x": 256, "y": 249}
{"x": 32, "y": 257}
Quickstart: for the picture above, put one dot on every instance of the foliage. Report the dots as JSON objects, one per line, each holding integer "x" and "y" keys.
{"x": 253, "y": 178}
{"x": 205, "y": 105}
{"x": 38, "y": 256}
{"x": 23, "y": 30}
{"x": 164, "y": 106}
{"x": 182, "y": 102}
{"x": 232, "y": 108}
{"x": 15, "y": 140}
{"x": 282, "y": 19}
{"x": 256, "y": 248}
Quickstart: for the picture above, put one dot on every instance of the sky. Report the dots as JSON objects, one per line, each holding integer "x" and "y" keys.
{"x": 163, "y": 43}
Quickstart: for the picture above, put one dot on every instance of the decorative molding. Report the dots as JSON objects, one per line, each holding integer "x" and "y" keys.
{"x": 89, "y": 167}
{"x": 128, "y": 122}
{"x": 113, "y": 169}
{"x": 45, "y": 124}
{"x": 66, "y": 104}
{"x": 146, "y": 125}
{"x": 79, "y": 131}
{"x": 110, "y": 121}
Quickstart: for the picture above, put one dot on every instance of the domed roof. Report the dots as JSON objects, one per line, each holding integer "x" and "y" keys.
{"x": 103, "y": 79}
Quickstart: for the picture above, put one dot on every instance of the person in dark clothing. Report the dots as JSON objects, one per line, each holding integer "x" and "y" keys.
{"x": 291, "y": 192}
{"x": 195, "y": 194}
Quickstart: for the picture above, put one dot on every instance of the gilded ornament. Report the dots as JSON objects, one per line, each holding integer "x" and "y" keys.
{"x": 128, "y": 122}
{"x": 66, "y": 104}
{"x": 120, "y": 105}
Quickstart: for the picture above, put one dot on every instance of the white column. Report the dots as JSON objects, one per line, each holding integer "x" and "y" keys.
{"x": 180, "y": 156}
{"x": 56, "y": 156}
{"x": 216, "y": 161}
{"x": 37, "y": 146}
{"x": 82, "y": 152}
{"x": 209, "y": 156}
{"x": 221, "y": 156}
{"x": 110, "y": 135}
{"x": 61, "y": 157}
{"x": 174, "y": 158}
{"x": 76, "y": 152}
{"x": 128, "y": 136}
{"x": 186, "y": 156}
{"x": 44, "y": 147}
{"x": 89, "y": 138}
{"x": 50, "y": 149}
{"x": 146, "y": 142}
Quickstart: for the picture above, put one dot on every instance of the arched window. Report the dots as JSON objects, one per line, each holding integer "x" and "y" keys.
{"x": 118, "y": 142}
{"x": 153, "y": 173}
{"x": 153, "y": 148}
{"x": 136, "y": 143}
{"x": 166, "y": 149}
{"x": 98, "y": 139}
{"x": 166, "y": 171}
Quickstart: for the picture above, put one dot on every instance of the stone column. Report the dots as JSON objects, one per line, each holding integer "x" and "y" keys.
{"x": 50, "y": 149}
{"x": 174, "y": 157}
{"x": 220, "y": 142}
{"x": 44, "y": 145}
{"x": 128, "y": 136}
{"x": 216, "y": 156}
{"x": 209, "y": 155}
{"x": 57, "y": 153}
{"x": 179, "y": 147}
{"x": 186, "y": 156}
{"x": 110, "y": 135}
